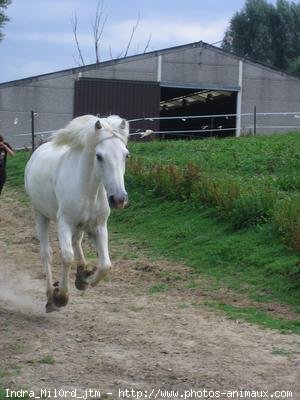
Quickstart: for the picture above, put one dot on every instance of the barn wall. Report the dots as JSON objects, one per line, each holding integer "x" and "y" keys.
{"x": 144, "y": 69}
{"x": 51, "y": 99}
{"x": 200, "y": 65}
{"x": 270, "y": 91}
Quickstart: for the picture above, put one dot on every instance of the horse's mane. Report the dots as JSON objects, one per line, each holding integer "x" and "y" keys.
{"x": 81, "y": 132}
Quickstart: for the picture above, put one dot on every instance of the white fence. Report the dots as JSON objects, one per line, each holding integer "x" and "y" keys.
{"x": 203, "y": 126}
{"x": 209, "y": 123}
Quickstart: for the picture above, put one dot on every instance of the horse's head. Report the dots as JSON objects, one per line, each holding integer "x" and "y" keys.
{"x": 110, "y": 158}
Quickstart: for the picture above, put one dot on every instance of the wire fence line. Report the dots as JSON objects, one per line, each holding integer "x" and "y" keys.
{"x": 185, "y": 117}
{"x": 207, "y": 125}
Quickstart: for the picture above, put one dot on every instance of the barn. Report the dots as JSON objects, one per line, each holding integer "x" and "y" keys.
{"x": 185, "y": 81}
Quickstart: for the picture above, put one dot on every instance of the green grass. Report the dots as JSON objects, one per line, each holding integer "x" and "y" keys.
{"x": 247, "y": 157}
{"x": 281, "y": 352}
{"x": 47, "y": 360}
{"x": 15, "y": 174}
{"x": 158, "y": 288}
{"x": 15, "y": 169}
{"x": 259, "y": 317}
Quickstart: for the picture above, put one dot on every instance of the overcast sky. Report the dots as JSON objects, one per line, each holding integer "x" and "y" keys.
{"x": 39, "y": 39}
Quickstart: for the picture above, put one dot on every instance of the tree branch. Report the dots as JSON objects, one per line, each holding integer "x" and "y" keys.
{"x": 148, "y": 43}
{"x": 98, "y": 27}
{"x": 132, "y": 34}
{"x": 74, "y": 25}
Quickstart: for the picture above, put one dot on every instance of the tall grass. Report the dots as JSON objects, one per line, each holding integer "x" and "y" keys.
{"x": 287, "y": 218}
{"x": 15, "y": 168}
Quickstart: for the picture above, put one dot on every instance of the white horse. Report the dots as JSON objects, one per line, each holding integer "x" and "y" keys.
{"x": 74, "y": 179}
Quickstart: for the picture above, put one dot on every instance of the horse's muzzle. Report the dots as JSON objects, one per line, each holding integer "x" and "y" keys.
{"x": 118, "y": 201}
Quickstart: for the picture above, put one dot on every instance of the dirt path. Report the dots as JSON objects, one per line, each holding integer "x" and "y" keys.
{"x": 118, "y": 336}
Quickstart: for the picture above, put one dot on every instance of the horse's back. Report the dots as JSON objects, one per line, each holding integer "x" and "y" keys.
{"x": 40, "y": 175}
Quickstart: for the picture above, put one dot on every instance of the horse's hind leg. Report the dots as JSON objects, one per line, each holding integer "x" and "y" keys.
{"x": 42, "y": 226}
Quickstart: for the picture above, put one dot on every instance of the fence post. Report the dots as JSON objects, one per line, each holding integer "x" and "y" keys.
{"x": 32, "y": 132}
{"x": 211, "y": 126}
{"x": 239, "y": 101}
{"x": 254, "y": 121}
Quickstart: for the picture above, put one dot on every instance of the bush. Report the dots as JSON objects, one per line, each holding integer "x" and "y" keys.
{"x": 219, "y": 192}
{"x": 253, "y": 207}
{"x": 287, "y": 219}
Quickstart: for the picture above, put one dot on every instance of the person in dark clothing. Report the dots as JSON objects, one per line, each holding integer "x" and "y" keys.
{"x": 5, "y": 149}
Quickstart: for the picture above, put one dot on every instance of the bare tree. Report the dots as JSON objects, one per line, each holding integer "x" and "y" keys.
{"x": 98, "y": 26}
{"x": 148, "y": 43}
{"x": 74, "y": 24}
{"x": 134, "y": 28}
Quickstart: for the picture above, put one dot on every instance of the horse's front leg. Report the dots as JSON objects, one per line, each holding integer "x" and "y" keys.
{"x": 101, "y": 245}
{"x": 100, "y": 238}
{"x": 77, "y": 247}
{"x": 65, "y": 234}
{"x": 82, "y": 272}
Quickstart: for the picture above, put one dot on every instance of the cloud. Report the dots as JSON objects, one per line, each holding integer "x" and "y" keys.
{"x": 116, "y": 36}
{"x": 50, "y": 37}
{"x": 176, "y": 31}
{"x": 163, "y": 33}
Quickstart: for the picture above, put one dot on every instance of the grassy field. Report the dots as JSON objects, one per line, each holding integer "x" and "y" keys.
{"x": 249, "y": 181}
{"x": 255, "y": 260}
{"x": 247, "y": 157}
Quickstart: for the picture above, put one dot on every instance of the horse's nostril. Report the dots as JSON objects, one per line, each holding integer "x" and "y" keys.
{"x": 118, "y": 201}
{"x": 111, "y": 199}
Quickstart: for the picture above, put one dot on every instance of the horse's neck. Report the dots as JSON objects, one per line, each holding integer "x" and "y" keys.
{"x": 88, "y": 182}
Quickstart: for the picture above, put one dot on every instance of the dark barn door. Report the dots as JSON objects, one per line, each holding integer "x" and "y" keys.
{"x": 129, "y": 99}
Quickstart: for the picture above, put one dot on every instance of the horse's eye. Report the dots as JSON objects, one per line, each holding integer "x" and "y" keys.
{"x": 99, "y": 157}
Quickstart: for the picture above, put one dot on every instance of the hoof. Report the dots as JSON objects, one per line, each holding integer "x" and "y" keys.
{"x": 60, "y": 300}
{"x": 100, "y": 275}
{"x": 50, "y": 306}
{"x": 82, "y": 275}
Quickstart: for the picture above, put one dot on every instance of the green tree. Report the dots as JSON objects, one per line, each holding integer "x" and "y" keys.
{"x": 294, "y": 66}
{"x": 266, "y": 33}
{"x": 3, "y": 17}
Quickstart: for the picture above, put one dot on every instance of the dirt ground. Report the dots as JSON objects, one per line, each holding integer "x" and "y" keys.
{"x": 119, "y": 336}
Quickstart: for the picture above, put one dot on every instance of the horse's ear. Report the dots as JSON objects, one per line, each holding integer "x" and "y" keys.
{"x": 122, "y": 124}
{"x": 98, "y": 125}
